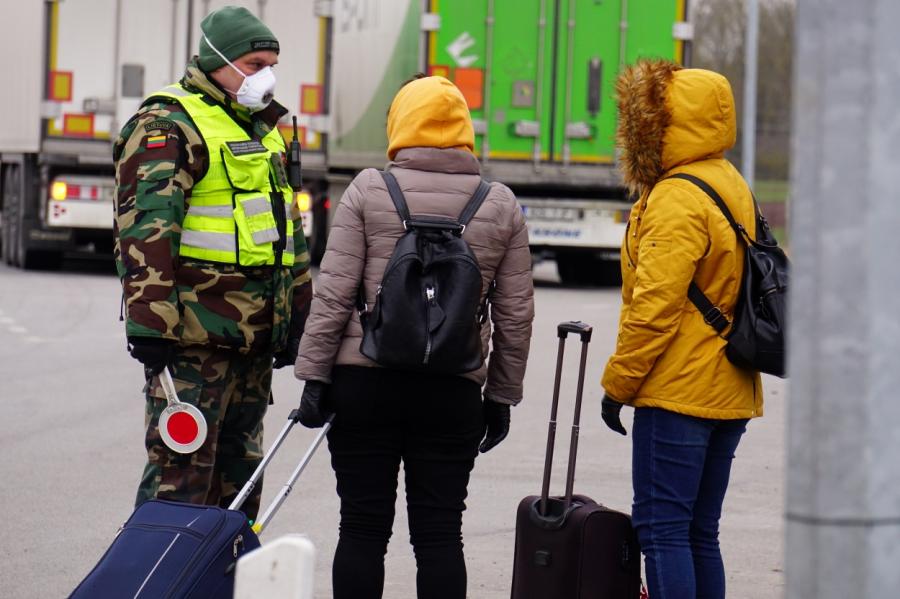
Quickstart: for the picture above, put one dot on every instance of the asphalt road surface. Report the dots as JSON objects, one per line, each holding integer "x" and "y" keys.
{"x": 71, "y": 426}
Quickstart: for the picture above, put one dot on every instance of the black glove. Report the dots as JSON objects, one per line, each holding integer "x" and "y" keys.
{"x": 496, "y": 418}
{"x": 610, "y": 414}
{"x": 288, "y": 355}
{"x": 314, "y": 411}
{"x": 153, "y": 352}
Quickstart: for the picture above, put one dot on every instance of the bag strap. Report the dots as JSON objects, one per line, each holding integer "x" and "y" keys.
{"x": 484, "y": 188}
{"x": 711, "y": 314}
{"x": 397, "y": 197}
{"x": 468, "y": 212}
{"x": 739, "y": 229}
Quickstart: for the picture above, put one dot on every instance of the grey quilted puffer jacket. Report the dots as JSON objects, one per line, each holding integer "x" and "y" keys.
{"x": 436, "y": 182}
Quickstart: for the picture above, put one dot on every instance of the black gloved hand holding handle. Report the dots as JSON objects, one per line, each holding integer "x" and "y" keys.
{"x": 314, "y": 410}
{"x": 154, "y": 353}
{"x": 496, "y": 419}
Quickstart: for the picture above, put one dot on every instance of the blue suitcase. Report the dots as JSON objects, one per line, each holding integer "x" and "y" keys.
{"x": 170, "y": 550}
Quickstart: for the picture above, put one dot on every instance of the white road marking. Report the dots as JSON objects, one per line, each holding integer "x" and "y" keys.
{"x": 13, "y": 327}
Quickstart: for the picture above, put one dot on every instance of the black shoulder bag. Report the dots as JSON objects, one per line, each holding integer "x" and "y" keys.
{"x": 756, "y": 340}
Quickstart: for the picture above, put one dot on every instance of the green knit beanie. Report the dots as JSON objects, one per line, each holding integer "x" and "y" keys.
{"x": 234, "y": 31}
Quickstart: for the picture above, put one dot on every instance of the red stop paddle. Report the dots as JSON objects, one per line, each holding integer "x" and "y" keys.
{"x": 181, "y": 425}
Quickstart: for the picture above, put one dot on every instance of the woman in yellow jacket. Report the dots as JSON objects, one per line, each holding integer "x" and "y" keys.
{"x": 692, "y": 404}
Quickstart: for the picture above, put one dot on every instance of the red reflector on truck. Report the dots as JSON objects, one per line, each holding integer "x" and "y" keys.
{"x": 438, "y": 70}
{"x": 60, "y": 190}
{"x": 78, "y": 125}
{"x": 59, "y": 88}
{"x": 471, "y": 83}
{"x": 311, "y": 99}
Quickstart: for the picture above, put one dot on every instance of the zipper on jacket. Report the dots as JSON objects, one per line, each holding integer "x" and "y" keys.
{"x": 429, "y": 303}
{"x": 626, "y": 245}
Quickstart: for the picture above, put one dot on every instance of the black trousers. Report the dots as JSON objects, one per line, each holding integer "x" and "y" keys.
{"x": 433, "y": 424}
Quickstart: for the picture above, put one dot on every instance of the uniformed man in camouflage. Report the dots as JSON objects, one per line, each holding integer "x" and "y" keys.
{"x": 213, "y": 262}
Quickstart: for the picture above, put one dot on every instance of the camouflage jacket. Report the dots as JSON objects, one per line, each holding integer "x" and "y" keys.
{"x": 195, "y": 303}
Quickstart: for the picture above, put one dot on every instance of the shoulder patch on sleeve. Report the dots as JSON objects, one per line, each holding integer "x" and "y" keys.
{"x": 158, "y": 125}
{"x": 155, "y": 141}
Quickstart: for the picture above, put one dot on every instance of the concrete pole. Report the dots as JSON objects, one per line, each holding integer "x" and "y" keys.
{"x": 843, "y": 490}
{"x": 751, "y": 53}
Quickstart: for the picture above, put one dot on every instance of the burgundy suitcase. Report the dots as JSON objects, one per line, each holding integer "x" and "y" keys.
{"x": 572, "y": 547}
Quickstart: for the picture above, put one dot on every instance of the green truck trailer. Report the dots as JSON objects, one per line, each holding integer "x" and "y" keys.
{"x": 539, "y": 78}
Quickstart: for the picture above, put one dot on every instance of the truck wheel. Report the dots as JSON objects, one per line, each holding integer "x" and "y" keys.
{"x": 320, "y": 232}
{"x": 586, "y": 270}
{"x": 608, "y": 273}
{"x": 11, "y": 223}
{"x": 15, "y": 251}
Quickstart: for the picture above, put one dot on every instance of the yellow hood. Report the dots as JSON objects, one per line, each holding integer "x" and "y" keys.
{"x": 669, "y": 116}
{"x": 429, "y": 113}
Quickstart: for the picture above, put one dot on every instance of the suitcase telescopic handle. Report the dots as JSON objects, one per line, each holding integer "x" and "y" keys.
{"x": 563, "y": 329}
{"x": 263, "y": 521}
{"x": 576, "y": 327}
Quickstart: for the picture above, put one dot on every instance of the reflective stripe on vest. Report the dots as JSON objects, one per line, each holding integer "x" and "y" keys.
{"x": 230, "y": 216}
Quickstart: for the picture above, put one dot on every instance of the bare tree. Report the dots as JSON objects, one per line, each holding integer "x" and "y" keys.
{"x": 719, "y": 46}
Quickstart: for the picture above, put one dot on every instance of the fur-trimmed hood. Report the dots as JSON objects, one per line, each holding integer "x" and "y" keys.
{"x": 670, "y": 116}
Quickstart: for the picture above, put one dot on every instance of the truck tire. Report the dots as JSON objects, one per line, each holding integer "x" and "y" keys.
{"x": 587, "y": 270}
{"x": 15, "y": 249}
{"x": 10, "y": 234}
{"x": 320, "y": 231}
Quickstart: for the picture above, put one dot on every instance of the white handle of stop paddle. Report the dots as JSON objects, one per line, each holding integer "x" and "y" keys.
{"x": 168, "y": 385}
{"x": 177, "y": 407}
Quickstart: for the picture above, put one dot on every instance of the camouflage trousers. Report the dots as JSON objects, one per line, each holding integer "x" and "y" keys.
{"x": 233, "y": 393}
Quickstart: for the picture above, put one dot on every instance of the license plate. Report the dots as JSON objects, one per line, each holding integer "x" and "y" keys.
{"x": 307, "y": 222}
{"x": 553, "y": 213}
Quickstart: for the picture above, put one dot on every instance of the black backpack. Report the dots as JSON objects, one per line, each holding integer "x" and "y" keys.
{"x": 428, "y": 311}
{"x": 756, "y": 340}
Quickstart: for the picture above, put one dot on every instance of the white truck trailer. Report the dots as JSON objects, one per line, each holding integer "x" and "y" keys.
{"x": 78, "y": 69}
{"x": 538, "y": 76}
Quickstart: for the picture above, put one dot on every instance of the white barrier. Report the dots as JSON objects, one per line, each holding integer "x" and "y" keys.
{"x": 283, "y": 568}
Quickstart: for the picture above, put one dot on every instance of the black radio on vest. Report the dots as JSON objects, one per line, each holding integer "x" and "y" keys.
{"x": 295, "y": 176}
{"x": 428, "y": 311}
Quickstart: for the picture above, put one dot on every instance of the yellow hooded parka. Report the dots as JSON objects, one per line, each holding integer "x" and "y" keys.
{"x": 674, "y": 120}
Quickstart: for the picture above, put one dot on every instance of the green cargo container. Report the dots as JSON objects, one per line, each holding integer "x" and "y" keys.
{"x": 551, "y": 67}
{"x": 539, "y": 76}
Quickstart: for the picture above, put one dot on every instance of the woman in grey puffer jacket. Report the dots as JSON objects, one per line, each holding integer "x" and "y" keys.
{"x": 432, "y": 423}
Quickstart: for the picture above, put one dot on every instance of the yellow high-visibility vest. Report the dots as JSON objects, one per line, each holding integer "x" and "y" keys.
{"x": 230, "y": 217}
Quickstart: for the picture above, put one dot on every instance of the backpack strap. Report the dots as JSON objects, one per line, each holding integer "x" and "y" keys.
{"x": 484, "y": 188}
{"x": 468, "y": 212}
{"x": 714, "y": 195}
{"x": 397, "y": 197}
{"x": 711, "y": 314}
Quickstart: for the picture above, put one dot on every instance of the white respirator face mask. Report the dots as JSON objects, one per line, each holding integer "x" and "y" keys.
{"x": 257, "y": 90}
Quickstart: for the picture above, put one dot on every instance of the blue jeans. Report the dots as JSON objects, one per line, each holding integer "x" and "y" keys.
{"x": 680, "y": 469}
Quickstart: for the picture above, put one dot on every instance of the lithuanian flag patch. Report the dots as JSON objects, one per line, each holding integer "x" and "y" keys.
{"x": 156, "y": 141}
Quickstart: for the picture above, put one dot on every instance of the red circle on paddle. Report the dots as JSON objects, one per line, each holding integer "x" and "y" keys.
{"x": 182, "y": 427}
